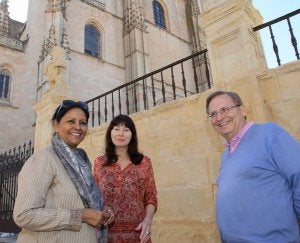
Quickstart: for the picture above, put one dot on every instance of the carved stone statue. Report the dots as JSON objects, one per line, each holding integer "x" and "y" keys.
{"x": 56, "y": 69}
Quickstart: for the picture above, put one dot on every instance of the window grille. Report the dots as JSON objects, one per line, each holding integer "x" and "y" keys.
{"x": 4, "y": 84}
{"x": 159, "y": 16}
{"x": 92, "y": 41}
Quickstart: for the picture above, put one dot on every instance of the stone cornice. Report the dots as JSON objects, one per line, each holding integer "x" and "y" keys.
{"x": 11, "y": 43}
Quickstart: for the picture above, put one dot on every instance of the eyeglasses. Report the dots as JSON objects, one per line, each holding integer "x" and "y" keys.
{"x": 223, "y": 111}
{"x": 72, "y": 103}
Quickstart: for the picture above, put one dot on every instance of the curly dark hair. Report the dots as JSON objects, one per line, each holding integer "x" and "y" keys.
{"x": 111, "y": 157}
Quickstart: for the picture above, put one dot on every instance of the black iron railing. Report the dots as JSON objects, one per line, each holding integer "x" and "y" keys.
{"x": 269, "y": 25}
{"x": 11, "y": 163}
{"x": 185, "y": 77}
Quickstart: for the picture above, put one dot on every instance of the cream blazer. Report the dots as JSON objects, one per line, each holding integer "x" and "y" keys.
{"x": 45, "y": 198}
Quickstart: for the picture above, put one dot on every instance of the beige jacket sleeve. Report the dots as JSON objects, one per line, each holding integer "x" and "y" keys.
{"x": 47, "y": 199}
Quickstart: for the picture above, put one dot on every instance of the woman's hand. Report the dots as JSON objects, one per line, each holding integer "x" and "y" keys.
{"x": 95, "y": 217}
{"x": 108, "y": 213}
{"x": 145, "y": 228}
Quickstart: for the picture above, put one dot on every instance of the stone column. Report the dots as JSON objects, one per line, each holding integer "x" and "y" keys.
{"x": 235, "y": 50}
{"x": 135, "y": 49}
{"x": 135, "y": 40}
{"x": 58, "y": 91}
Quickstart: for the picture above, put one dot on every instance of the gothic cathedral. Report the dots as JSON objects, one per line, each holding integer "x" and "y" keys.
{"x": 106, "y": 43}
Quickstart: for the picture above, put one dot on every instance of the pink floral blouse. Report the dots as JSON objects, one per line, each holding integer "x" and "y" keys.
{"x": 127, "y": 192}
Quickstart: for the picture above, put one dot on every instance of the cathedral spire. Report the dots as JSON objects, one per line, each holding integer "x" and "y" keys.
{"x": 57, "y": 36}
{"x": 4, "y": 3}
{"x": 4, "y": 18}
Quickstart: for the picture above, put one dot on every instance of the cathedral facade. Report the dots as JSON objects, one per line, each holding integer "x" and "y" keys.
{"x": 106, "y": 44}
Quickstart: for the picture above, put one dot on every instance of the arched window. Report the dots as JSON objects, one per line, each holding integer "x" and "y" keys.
{"x": 91, "y": 40}
{"x": 159, "y": 16}
{"x": 5, "y": 77}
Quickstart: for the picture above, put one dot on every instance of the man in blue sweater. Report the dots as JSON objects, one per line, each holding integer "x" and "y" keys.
{"x": 258, "y": 196}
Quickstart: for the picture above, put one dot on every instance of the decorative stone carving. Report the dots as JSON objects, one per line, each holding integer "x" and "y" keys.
{"x": 195, "y": 8}
{"x": 56, "y": 6}
{"x": 55, "y": 70}
{"x": 4, "y": 16}
{"x": 195, "y": 31}
{"x": 65, "y": 43}
{"x": 100, "y": 4}
{"x": 51, "y": 41}
{"x": 133, "y": 16}
{"x": 48, "y": 44}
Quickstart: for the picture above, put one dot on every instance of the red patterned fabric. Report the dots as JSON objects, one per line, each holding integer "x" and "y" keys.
{"x": 127, "y": 192}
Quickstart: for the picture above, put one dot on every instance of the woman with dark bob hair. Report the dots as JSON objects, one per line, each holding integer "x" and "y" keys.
{"x": 125, "y": 176}
{"x": 58, "y": 199}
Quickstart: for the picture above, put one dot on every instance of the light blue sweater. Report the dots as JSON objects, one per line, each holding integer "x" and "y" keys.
{"x": 258, "y": 197}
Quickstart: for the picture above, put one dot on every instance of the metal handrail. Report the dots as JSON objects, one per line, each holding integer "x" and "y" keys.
{"x": 293, "y": 38}
{"x": 184, "y": 77}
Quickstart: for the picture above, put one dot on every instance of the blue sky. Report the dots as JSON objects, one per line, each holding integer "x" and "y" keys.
{"x": 269, "y": 9}
{"x": 272, "y": 9}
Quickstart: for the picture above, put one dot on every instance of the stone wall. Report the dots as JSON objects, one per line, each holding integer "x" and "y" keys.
{"x": 281, "y": 91}
{"x": 177, "y": 137}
